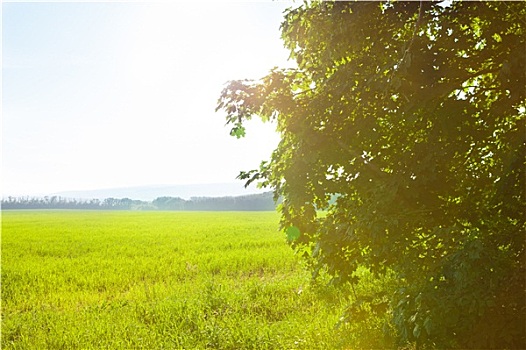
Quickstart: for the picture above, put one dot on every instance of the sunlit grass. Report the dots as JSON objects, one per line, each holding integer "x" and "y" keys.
{"x": 153, "y": 280}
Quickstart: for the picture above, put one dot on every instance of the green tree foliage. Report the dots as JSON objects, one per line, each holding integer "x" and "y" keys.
{"x": 251, "y": 202}
{"x": 412, "y": 114}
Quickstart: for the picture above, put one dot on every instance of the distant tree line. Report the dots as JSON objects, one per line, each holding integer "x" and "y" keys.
{"x": 254, "y": 202}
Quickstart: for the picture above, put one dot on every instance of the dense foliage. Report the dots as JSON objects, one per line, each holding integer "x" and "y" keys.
{"x": 251, "y": 202}
{"x": 412, "y": 114}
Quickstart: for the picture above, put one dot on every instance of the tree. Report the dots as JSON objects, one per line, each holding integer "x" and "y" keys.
{"x": 412, "y": 114}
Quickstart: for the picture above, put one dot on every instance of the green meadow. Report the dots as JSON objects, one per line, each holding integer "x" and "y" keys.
{"x": 161, "y": 280}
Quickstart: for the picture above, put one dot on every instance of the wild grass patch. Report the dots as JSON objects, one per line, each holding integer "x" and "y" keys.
{"x": 154, "y": 280}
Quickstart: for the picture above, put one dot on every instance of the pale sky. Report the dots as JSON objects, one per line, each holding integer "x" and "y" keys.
{"x": 117, "y": 94}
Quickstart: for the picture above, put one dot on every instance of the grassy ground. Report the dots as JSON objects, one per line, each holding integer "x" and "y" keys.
{"x": 160, "y": 280}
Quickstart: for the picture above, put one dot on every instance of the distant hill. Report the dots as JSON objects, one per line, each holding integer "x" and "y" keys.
{"x": 149, "y": 193}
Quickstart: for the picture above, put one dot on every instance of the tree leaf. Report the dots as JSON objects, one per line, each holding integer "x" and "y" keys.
{"x": 293, "y": 233}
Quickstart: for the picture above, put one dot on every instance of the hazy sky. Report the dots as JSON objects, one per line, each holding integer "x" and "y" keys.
{"x": 99, "y": 95}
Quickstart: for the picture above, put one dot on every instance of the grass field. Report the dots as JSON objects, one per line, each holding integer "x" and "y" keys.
{"x": 160, "y": 280}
